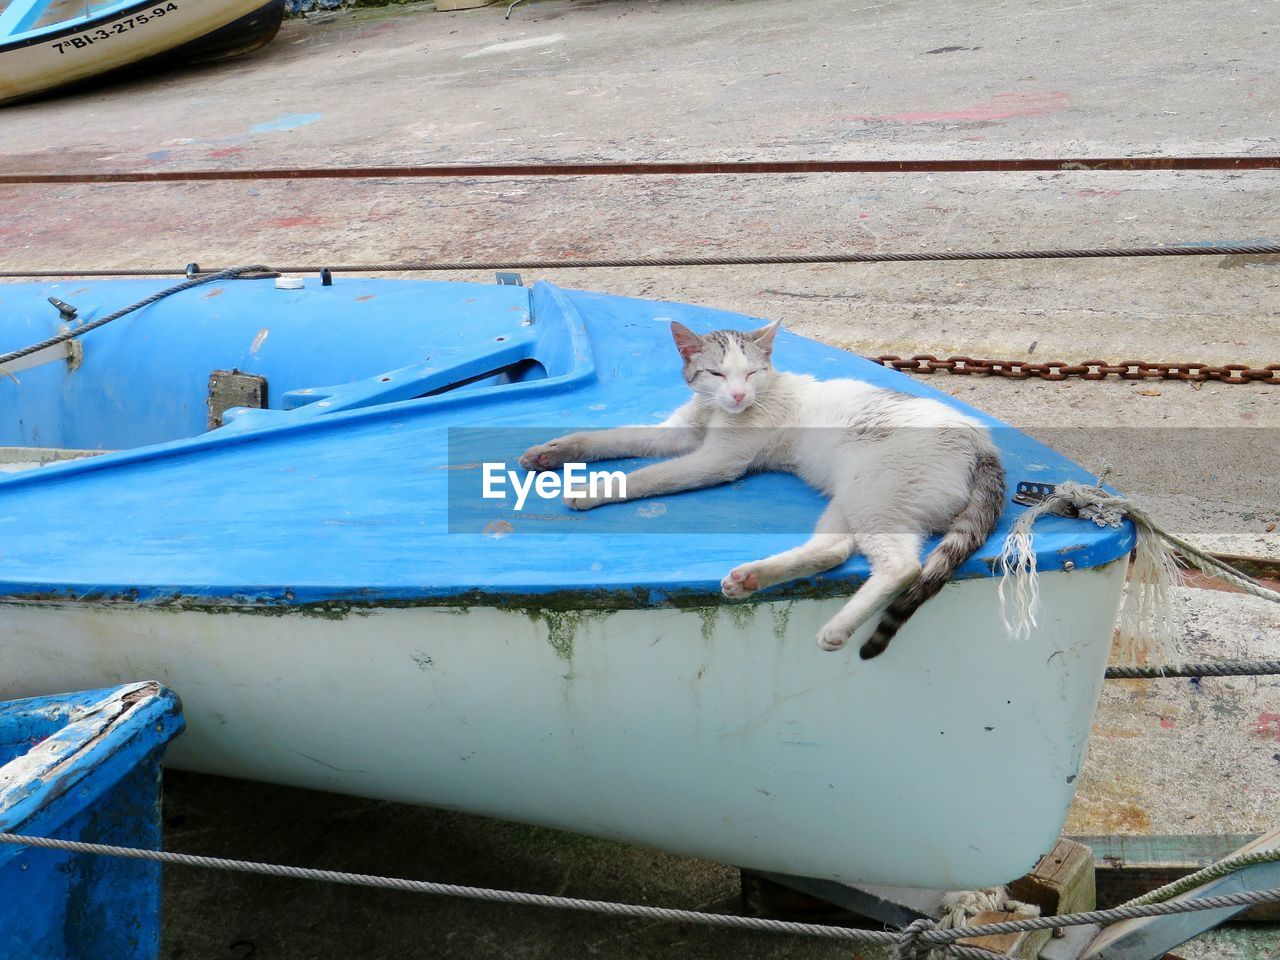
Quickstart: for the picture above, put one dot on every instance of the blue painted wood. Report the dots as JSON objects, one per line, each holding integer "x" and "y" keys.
{"x": 343, "y": 493}
{"x": 84, "y": 766}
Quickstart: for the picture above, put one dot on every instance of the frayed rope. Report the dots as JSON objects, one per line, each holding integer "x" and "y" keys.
{"x": 1148, "y": 619}
{"x": 958, "y": 910}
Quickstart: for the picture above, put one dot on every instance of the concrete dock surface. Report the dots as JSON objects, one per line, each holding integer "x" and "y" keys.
{"x": 752, "y": 79}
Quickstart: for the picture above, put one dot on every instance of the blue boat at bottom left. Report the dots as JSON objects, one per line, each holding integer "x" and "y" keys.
{"x": 83, "y": 766}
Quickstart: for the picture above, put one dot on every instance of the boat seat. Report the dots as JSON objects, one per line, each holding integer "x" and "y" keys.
{"x": 510, "y": 358}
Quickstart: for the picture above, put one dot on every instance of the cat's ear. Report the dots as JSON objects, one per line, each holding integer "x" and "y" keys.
{"x": 764, "y": 336}
{"x": 687, "y": 342}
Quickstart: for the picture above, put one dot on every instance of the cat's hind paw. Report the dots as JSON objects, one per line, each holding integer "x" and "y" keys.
{"x": 741, "y": 582}
{"x": 832, "y": 637}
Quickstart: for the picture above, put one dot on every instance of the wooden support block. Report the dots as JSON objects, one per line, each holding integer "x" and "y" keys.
{"x": 447, "y": 5}
{"x": 1062, "y": 882}
{"x": 231, "y": 388}
{"x": 1025, "y": 945}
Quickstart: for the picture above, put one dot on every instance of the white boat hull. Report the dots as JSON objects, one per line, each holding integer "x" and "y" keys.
{"x": 719, "y": 732}
{"x": 136, "y": 34}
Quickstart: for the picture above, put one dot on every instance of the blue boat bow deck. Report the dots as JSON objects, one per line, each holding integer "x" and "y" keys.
{"x": 342, "y": 493}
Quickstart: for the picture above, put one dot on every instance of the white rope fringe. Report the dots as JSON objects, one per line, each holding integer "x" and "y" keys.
{"x": 1148, "y": 618}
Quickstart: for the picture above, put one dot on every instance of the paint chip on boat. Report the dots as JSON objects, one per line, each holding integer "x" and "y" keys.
{"x": 257, "y": 341}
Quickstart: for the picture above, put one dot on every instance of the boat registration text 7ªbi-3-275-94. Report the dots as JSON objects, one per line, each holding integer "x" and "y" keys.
{"x": 114, "y": 29}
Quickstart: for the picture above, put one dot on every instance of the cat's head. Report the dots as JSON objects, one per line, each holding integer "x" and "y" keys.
{"x": 731, "y": 367}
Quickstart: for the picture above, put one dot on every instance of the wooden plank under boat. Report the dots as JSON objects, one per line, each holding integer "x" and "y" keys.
{"x": 338, "y": 610}
{"x": 46, "y": 44}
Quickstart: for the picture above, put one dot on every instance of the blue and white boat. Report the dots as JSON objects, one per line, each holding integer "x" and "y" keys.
{"x": 340, "y": 608}
{"x": 46, "y": 44}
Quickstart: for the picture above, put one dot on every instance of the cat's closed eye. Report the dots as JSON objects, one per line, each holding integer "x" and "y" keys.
{"x": 716, "y": 373}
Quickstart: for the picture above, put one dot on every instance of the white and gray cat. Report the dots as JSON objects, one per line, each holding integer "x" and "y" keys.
{"x": 896, "y": 467}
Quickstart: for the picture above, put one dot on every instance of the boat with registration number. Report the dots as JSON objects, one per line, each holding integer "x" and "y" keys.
{"x": 47, "y": 44}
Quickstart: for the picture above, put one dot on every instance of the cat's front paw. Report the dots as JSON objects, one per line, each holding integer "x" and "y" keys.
{"x": 741, "y": 582}
{"x": 583, "y": 503}
{"x": 547, "y": 456}
{"x": 833, "y": 637}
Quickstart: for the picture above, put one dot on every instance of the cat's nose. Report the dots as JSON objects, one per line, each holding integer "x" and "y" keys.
{"x": 737, "y": 396}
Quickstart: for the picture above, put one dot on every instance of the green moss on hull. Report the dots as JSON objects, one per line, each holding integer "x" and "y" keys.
{"x": 562, "y": 627}
{"x": 742, "y": 614}
{"x": 280, "y": 601}
{"x": 708, "y": 616}
{"x": 781, "y": 618}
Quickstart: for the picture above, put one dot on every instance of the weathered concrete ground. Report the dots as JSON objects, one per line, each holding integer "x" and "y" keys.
{"x": 752, "y": 79}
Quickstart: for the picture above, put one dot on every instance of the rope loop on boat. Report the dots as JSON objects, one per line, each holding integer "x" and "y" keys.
{"x": 80, "y": 331}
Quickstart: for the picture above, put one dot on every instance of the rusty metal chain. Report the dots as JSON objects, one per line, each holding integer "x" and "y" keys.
{"x": 923, "y": 363}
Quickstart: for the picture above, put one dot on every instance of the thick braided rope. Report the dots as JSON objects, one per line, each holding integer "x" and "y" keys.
{"x": 145, "y": 301}
{"x": 1212, "y": 872}
{"x": 908, "y": 946}
{"x": 1221, "y": 668}
{"x": 1204, "y": 562}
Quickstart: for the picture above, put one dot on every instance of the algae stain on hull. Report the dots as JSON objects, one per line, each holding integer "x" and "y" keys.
{"x": 562, "y": 627}
{"x": 742, "y": 615}
{"x": 781, "y": 618}
{"x": 708, "y": 616}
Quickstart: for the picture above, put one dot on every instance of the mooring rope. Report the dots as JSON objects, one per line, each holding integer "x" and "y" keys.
{"x": 921, "y": 935}
{"x": 553, "y": 263}
{"x": 1222, "y": 868}
{"x": 1216, "y": 668}
{"x": 634, "y": 911}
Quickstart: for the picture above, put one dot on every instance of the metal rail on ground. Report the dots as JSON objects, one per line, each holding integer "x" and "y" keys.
{"x": 660, "y": 168}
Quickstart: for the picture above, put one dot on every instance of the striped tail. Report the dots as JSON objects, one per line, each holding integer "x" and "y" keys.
{"x": 967, "y": 533}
